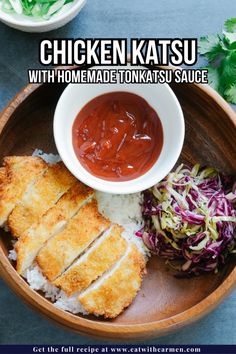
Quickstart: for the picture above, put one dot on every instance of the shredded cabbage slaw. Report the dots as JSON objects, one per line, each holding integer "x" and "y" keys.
{"x": 190, "y": 219}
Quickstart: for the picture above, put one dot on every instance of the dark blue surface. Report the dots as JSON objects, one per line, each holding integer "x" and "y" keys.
{"x": 109, "y": 18}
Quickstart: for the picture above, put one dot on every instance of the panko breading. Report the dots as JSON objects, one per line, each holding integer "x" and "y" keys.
{"x": 112, "y": 293}
{"x": 40, "y": 197}
{"x": 62, "y": 234}
{"x": 20, "y": 172}
{"x": 53, "y": 222}
{"x": 61, "y": 250}
{"x": 104, "y": 253}
{"x": 2, "y": 175}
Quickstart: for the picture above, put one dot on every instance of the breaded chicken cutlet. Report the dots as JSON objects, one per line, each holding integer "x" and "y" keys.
{"x": 104, "y": 253}
{"x": 60, "y": 251}
{"x": 40, "y": 197}
{"x": 52, "y": 222}
{"x": 115, "y": 291}
{"x": 59, "y": 228}
{"x": 2, "y": 175}
{"x": 16, "y": 175}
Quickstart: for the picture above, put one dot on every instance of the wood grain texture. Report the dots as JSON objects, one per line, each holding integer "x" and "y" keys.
{"x": 164, "y": 302}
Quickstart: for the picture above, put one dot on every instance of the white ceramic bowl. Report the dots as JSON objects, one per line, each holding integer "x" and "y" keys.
{"x": 29, "y": 24}
{"x": 163, "y": 101}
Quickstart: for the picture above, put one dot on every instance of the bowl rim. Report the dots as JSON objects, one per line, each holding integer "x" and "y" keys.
{"x": 108, "y": 329}
{"x": 78, "y": 5}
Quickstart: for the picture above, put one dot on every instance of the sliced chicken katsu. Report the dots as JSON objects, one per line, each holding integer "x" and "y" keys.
{"x": 103, "y": 254}
{"x": 2, "y": 175}
{"x": 113, "y": 292}
{"x": 61, "y": 250}
{"x": 40, "y": 197}
{"x": 20, "y": 173}
{"x": 52, "y": 222}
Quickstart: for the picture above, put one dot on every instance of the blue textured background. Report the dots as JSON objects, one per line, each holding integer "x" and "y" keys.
{"x": 109, "y": 18}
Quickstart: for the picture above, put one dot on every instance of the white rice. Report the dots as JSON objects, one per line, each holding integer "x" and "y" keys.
{"x": 70, "y": 304}
{"x": 121, "y": 208}
{"x": 12, "y": 255}
{"x": 49, "y": 158}
{"x": 38, "y": 282}
{"x": 124, "y": 210}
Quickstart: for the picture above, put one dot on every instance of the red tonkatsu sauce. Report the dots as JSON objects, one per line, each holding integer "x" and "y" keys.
{"x": 117, "y": 136}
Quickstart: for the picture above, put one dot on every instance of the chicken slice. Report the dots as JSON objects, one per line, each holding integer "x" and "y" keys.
{"x": 20, "y": 172}
{"x": 40, "y": 197}
{"x": 3, "y": 175}
{"x": 113, "y": 292}
{"x": 53, "y": 222}
{"x": 104, "y": 253}
{"x": 61, "y": 250}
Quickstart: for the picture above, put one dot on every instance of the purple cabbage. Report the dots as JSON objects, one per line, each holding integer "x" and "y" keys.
{"x": 190, "y": 219}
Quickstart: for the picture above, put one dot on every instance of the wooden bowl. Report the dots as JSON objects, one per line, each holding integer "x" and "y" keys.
{"x": 164, "y": 303}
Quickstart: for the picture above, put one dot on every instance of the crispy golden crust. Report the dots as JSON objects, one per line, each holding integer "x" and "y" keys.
{"x": 52, "y": 222}
{"x": 46, "y": 208}
{"x": 110, "y": 297}
{"x": 2, "y": 175}
{"x": 20, "y": 172}
{"x": 62, "y": 249}
{"x": 40, "y": 197}
{"x": 99, "y": 259}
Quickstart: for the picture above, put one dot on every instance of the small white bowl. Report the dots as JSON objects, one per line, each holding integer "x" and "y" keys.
{"x": 162, "y": 100}
{"x": 29, "y": 24}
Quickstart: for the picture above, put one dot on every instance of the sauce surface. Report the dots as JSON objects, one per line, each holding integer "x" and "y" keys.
{"x": 117, "y": 136}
